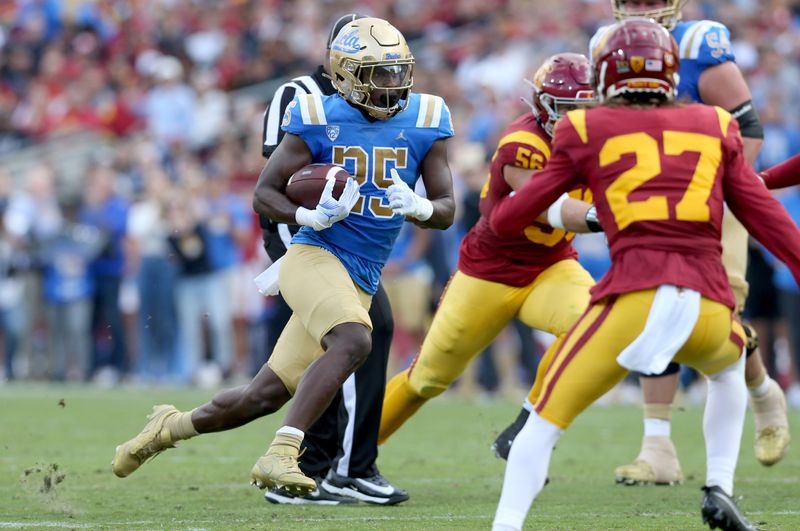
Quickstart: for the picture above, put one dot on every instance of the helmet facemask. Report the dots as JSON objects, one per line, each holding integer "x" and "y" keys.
{"x": 383, "y": 88}
{"x": 668, "y": 16}
{"x": 561, "y": 84}
{"x": 555, "y": 107}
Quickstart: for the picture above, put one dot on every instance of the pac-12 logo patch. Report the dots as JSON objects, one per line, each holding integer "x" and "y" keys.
{"x": 332, "y": 131}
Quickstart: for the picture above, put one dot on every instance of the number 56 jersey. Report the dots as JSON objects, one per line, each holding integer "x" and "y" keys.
{"x": 338, "y": 133}
{"x": 659, "y": 178}
{"x": 518, "y": 259}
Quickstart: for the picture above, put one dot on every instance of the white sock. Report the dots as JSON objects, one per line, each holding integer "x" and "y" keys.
{"x": 289, "y": 430}
{"x": 657, "y": 428}
{"x": 761, "y": 389}
{"x": 526, "y": 472}
{"x": 527, "y": 406}
{"x": 723, "y": 421}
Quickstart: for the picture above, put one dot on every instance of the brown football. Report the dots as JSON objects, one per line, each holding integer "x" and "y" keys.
{"x": 306, "y": 185}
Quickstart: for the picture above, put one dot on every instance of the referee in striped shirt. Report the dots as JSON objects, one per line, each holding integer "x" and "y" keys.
{"x": 342, "y": 446}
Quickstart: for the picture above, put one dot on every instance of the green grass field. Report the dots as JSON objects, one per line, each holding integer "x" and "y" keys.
{"x": 55, "y": 473}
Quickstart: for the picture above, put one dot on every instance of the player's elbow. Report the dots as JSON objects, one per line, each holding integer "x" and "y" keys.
{"x": 500, "y": 226}
{"x": 262, "y": 203}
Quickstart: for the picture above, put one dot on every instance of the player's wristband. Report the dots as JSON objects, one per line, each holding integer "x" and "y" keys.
{"x": 424, "y": 209}
{"x": 554, "y": 218}
{"x": 591, "y": 220}
{"x": 305, "y": 217}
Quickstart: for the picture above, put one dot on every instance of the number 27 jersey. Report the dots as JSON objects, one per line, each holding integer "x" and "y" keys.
{"x": 338, "y": 133}
{"x": 659, "y": 179}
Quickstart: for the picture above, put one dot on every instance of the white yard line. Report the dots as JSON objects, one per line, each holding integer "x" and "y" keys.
{"x": 192, "y": 524}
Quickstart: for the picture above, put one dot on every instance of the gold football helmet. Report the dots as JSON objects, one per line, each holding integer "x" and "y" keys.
{"x": 372, "y": 67}
{"x": 665, "y": 12}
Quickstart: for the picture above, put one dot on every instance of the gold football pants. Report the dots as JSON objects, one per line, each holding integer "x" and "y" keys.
{"x": 585, "y": 365}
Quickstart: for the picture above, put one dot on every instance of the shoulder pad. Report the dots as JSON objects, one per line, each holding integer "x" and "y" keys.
{"x": 430, "y": 110}
{"x": 707, "y": 42}
{"x": 312, "y": 112}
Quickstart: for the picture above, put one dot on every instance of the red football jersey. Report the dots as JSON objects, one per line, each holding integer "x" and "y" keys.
{"x": 660, "y": 178}
{"x": 518, "y": 258}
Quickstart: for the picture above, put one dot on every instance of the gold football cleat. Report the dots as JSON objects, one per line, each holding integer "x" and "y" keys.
{"x": 278, "y": 468}
{"x": 772, "y": 425}
{"x": 152, "y": 440}
{"x": 657, "y": 464}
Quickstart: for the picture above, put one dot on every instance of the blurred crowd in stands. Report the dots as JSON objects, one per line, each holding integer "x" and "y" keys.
{"x": 143, "y": 269}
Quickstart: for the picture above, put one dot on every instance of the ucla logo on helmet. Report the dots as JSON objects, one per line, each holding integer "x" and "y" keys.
{"x": 348, "y": 42}
{"x": 332, "y": 131}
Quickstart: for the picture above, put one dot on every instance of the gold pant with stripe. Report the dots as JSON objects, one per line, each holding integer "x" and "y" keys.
{"x": 473, "y": 312}
{"x": 321, "y": 294}
{"x": 585, "y": 366}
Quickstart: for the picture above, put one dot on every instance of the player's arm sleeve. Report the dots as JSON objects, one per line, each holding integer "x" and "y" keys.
{"x": 515, "y": 212}
{"x": 787, "y": 173}
{"x": 763, "y": 216}
{"x": 272, "y": 133}
{"x": 749, "y": 121}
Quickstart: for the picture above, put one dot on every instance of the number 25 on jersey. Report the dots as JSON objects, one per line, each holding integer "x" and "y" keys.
{"x": 379, "y": 174}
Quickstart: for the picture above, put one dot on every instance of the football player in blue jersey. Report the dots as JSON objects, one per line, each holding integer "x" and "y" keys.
{"x": 386, "y": 137}
{"x": 708, "y": 74}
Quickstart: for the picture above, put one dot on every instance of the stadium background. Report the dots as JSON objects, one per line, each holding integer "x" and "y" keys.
{"x": 130, "y": 130}
{"x": 110, "y": 107}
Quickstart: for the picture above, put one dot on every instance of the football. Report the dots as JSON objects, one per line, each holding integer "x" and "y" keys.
{"x": 306, "y": 185}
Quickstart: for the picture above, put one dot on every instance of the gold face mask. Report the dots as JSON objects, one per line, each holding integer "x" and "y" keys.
{"x": 667, "y": 14}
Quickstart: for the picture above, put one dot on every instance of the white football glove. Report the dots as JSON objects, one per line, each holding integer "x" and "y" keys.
{"x": 405, "y": 202}
{"x": 329, "y": 210}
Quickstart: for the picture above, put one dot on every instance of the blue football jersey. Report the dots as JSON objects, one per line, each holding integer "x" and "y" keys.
{"x": 338, "y": 133}
{"x": 701, "y": 43}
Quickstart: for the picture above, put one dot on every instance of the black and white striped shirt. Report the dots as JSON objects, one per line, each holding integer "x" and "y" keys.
{"x": 278, "y": 235}
{"x": 316, "y": 83}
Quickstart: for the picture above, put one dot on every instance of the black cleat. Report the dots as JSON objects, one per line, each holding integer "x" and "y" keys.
{"x": 721, "y": 512}
{"x": 374, "y": 489}
{"x": 751, "y": 343}
{"x": 502, "y": 445}
{"x": 318, "y": 496}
